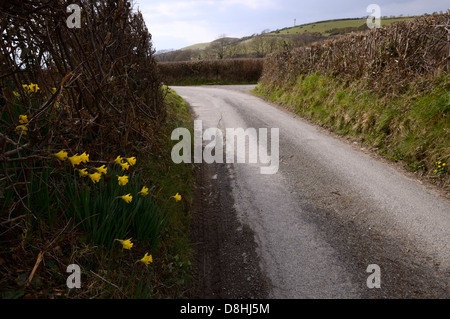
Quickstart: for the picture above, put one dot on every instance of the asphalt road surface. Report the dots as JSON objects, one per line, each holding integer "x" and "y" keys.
{"x": 312, "y": 229}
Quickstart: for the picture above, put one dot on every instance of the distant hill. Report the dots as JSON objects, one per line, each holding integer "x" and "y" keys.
{"x": 259, "y": 45}
{"x": 202, "y": 46}
{"x": 328, "y": 27}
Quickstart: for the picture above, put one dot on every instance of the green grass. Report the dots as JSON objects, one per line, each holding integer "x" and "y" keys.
{"x": 198, "y": 46}
{"x": 171, "y": 178}
{"x": 324, "y": 27}
{"x": 413, "y": 127}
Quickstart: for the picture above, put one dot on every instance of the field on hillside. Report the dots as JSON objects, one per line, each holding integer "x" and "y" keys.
{"x": 259, "y": 45}
{"x": 324, "y": 27}
{"x": 198, "y": 46}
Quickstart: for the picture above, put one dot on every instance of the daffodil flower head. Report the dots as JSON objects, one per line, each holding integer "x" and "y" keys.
{"x": 53, "y": 90}
{"x": 147, "y": 259}
{"x": 23, "y": 119}
{"x": 33, "y": 87}
{"x": 127, "y": 198}
{"x": 102, "y": 169}
{"x": 84, "y": 157}
{"x": 75, "y": 160}
{"x": 118, "y": 159}
{"x": 123, "y": 180}
{"x": 83, "y": 172}
{"x": 125, "y": 166}
{"x": 144, "y": 191}
{"x": 126, "y": 244}
{"x": 95, "y": 177}
{"x": 177, "y": 197}
{"x": 61, "y": 155}
{"x": 22, "y": 129}
{"x": 131, "y": 160}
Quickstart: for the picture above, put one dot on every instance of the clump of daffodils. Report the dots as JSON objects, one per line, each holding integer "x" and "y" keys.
{"x": 22, "y": 129}
{"x": 127, "y": 244}
{"x": 125, "y": 164}
{"x": 33, "y": 87}
{"x": 440, "y": 168}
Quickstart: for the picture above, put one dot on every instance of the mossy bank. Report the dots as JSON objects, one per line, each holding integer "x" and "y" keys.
{"x": 413, "y": 127}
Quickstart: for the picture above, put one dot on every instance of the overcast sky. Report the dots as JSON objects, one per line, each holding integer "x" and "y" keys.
{"x": 175, "y": 24}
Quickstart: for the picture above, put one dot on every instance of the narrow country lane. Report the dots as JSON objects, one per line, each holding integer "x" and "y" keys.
{"x": 312, "y": 229}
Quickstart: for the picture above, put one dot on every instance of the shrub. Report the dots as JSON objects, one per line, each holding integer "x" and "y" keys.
{"x": 229, "y": 71}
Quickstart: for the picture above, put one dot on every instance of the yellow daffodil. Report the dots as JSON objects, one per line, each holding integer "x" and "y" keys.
{"x": 125, "y": 166}
{"x": 33, "y": 87}
{"x": 144, "y": 191}
{"x": 22, "y": 129}
{"x": 53, "y": 90}
{"x": 25, "y": 87}
{"x": 131, "y": 160}
{"x": 95, "y": 177}
{"x": 102, "y": 169}
{"x": 118, "y": 159}
{"x": 147, "y": 259}
{"x": 23, "y": 119}
{"x": 83, "y": 172}
{"x": 75, "y": 160}
{"x": 443, "y": 164}
{"x": 127, "y": 198}
{"x": 123, "y": 180}
{"x": 84, "y": 157}
{"x": 126, "y": 244}
{"x": 61, "y": 155}
{"x": 177, "y": 197}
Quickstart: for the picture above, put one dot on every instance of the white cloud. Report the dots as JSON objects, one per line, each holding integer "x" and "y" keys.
{"x": 178, "y": 23}
{"x": 253, "y": 4}
{"x": 176, "y": 9}
{"x": 183, "y": 33}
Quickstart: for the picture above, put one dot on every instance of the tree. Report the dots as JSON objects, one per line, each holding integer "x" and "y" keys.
{"x": 219, "y": 46}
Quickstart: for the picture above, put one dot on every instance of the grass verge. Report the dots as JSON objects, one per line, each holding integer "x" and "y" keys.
{"x": 413, "y": 127}
{"x": 74, "y": 220}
